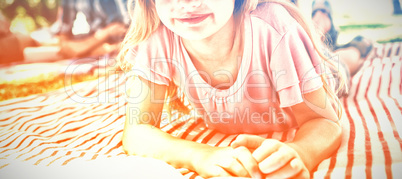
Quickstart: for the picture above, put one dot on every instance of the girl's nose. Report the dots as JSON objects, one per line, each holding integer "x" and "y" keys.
{"x": 189, "y": 3}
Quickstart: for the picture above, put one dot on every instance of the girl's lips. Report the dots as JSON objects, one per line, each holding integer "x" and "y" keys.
{"x": 193, "y": 20}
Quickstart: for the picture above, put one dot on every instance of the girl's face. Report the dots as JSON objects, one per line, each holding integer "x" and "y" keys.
{"x": 195, "y": 19}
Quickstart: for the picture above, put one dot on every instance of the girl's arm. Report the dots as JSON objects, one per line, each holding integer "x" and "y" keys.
{"x": 142, "y": 137}
{"x": 318, "y": 137}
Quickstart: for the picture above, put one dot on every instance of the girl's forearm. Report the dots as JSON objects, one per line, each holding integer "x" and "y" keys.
{"x": 149, "y": 141}
{"x": 317, "y": 140}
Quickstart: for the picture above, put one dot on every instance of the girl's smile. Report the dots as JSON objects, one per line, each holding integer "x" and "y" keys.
{"x": 193, "y": 19}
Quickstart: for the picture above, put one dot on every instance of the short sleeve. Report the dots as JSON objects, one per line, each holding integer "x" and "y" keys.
{"x": 295, "y": 66}
{"x": 151, "y": 59}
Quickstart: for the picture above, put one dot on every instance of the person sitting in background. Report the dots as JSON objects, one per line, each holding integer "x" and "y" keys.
{"x": 12, "y": 44}
{"x": 351, "y": 54}
{"x": 91, "y": 28}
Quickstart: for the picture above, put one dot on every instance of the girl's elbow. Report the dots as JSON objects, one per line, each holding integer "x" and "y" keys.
{"x": 337, "y": 133}
{"x": 127, "y": 146}
{"x": 129, "y": 142}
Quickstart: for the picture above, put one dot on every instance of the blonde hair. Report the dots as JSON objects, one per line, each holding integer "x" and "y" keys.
{"x": 145, "y": 21}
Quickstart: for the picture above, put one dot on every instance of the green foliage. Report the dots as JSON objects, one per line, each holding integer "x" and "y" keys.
{"x": 396, "y": 39}
{"x": 363, "y": 26}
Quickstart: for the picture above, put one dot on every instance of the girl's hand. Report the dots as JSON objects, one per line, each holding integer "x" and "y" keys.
{"x": 275, "y": 159}
{"x": 225, "y": 162}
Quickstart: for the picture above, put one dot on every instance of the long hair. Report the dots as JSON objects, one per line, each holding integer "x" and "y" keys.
{"x": 145, "y": 21}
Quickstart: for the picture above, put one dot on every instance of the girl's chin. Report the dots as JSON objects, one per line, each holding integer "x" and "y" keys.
{"x": 193, "y": 35}
{"x": 190, "y": 37}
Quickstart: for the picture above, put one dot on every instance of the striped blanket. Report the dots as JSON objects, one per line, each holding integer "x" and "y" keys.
{"x": 81, "y": 125}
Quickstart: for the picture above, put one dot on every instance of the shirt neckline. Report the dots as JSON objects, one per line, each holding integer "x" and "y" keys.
{"x": 241, "y": 75}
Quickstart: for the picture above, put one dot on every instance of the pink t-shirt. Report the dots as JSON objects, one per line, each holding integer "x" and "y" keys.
{"x": 279, "y": 64}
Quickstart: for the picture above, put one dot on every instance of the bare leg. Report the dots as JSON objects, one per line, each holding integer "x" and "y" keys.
{"x": 322, "y": 22}
{"x": 351, "y": 58}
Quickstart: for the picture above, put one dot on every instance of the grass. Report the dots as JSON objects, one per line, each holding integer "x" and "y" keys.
{"x": 363, "y": 26}
{"x": 377, "y": 32}
{"x": 396, "y": 39}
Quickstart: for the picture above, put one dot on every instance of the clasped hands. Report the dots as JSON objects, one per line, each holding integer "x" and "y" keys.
{"x": 256, "y": 157}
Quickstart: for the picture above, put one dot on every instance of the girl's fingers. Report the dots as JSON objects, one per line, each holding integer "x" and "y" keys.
{"x": 249, "y": 141}
{"x": 304, "y": 173}
{"x": 249, "y": 163}
{"x": 276, "y": 160}
{"x": 267, "y": 147}
{"x": 233, "y": 167}
{"x": 217, "y": 171}
{"x": 293, "y": 169}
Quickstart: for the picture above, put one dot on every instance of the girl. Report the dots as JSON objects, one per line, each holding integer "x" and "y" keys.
{"x": 247, "y": 67}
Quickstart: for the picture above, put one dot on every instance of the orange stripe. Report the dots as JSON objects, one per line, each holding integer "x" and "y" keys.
{"x": 81, "y": 155}
{"x": 269, "y": 135}
{"x": 63, "y": 141}
{"x": 369, "y": 155}
{"x": 101, "y": 142}
{"x": 40, "y": 160}
{"x": 95, "y": 156}
{"x": 57, "y": 141}
{"x": 284, "y": 136}
{"x": 193, "y": 176}
{"x": 22, "y": 112}
{"x": 170, "y": 131}
{"x": 5, "y": 133}
{"x": 330, "y": 167}
{"x": 22, "y": 141}
{"x": 208, "y": 137}
{"x": 11, "y": 134}
{"x": 389, "y": 89}
{"x": 200, "y": 134}
{"x": 234, "y": 138}
{"x": 50, "y": 121}
{"x": 27, "y": 147}
{"x": 70, "y": 122}
{"x": 351, "y": 142}
{"x": 387, "y": 154}
{"x": 35, "y": 119}
{"x": 109, "y": 140}
{"x": 120, "y": 131}
{"x": 115, "y": 147}
{"x": 223, "y": 139}
{"x": 353, "y": 132}
{"x": 43, "y": 150}
{"x": 14, "y": 122}
{"x": 11, "y": 141}
{"x": 5, "y": 165}
{"x": 91, "y": 139}
{"x": 68, "y": 153}
{"x": 350, "y": 154}
{"x": 90, "y": 147}
{"x": 18, "y": 102}
{"x": 170, "y": 122}
{"x": 395, "y": 131}
{"x": 191, "y": 128}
